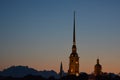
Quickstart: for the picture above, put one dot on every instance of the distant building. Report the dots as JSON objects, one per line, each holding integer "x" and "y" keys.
{"x": 61, "y": 70}
{"x": 119, "y": 74}
{"x": 97, "y": 69}
{"x": 74, "y": 58}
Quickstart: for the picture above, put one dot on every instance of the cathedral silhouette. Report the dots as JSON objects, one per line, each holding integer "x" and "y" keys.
{"x": 74, "y": 58}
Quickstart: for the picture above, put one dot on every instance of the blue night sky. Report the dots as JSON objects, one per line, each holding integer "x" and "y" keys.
{"x": 38, "y": 33}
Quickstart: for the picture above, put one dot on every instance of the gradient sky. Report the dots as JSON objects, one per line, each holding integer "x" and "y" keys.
{"x": 38, "y": 33}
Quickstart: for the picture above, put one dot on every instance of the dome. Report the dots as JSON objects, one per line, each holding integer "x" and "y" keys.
{"x": 98, "y": 65}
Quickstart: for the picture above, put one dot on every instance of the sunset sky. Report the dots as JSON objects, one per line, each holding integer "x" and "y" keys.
{"x": 38, "y": 33}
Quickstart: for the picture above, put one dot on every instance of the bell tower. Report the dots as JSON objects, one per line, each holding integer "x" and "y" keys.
{"x": 98, "y": 68}
{"x": 74, "y": 59}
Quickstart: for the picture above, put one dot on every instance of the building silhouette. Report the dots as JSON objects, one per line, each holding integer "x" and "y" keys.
{"x": 98, "y": 69}
{"x": 74, "y": 58}
{"x": 61, "y": 71}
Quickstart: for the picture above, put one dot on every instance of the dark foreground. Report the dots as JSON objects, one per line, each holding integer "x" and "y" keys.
{"x": 80, "y": 77}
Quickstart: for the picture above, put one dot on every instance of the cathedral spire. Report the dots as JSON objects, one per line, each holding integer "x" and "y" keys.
{"x": 74, "y": 41}
{"x": 74, "y": 58}
{"x": 74, "y": 49}
{"x": 61, "y": 70}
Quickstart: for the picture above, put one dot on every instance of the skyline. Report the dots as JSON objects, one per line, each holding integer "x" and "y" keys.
{"x": 39, "y": 33}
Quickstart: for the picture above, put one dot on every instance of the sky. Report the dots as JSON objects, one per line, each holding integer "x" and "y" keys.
{"x": 38, "y": 33}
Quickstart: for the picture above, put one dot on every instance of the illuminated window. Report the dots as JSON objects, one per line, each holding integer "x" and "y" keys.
{"x": 71, "y": 70}
{"x": 77, "y": 74}
{"x": 76, "y": 62}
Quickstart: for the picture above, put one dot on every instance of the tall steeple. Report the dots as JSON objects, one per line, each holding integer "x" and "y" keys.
{"x": 74, "y": 59}
{"x": 74, "y": 49}
{"x": 61, "y": 70}
{"x": 74, "y": 41}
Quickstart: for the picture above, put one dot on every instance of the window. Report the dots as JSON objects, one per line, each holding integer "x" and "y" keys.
{"x": 72, "y": 60}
